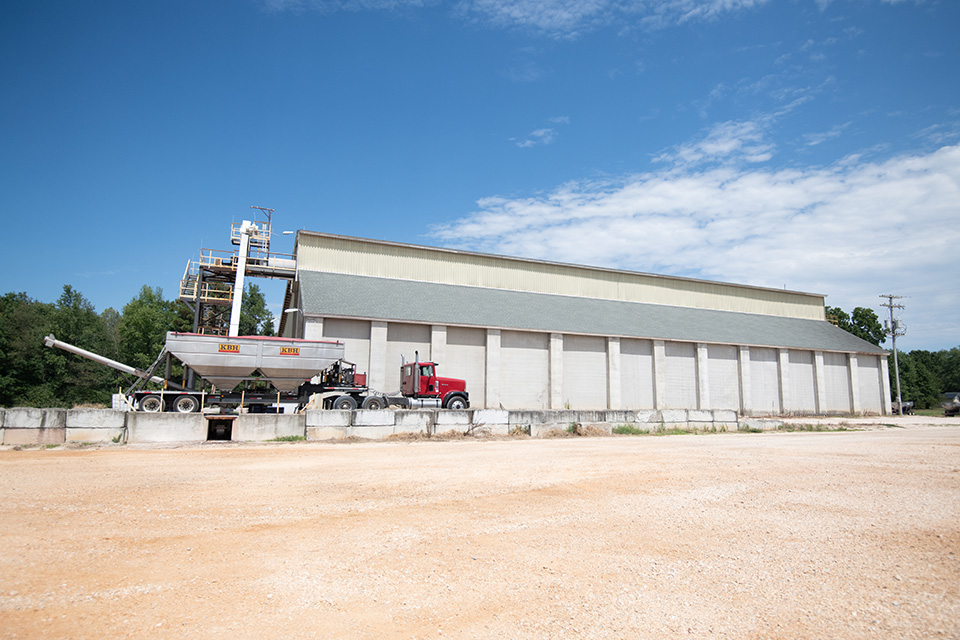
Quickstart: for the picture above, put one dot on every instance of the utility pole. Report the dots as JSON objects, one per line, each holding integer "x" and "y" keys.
{"x": 894, "y": 329}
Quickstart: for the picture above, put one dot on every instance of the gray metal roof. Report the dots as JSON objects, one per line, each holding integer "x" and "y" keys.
{"x": 351, "y": 296}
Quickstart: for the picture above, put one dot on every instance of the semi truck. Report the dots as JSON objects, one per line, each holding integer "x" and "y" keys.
{"x": 263, "y": 374}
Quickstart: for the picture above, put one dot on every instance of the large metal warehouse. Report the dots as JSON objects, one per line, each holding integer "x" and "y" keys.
{"x": 529, "y": 334}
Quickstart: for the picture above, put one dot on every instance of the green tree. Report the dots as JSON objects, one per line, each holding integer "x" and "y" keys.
{"x": 255, "y": 318}
{"x": 143, "y": 328}
{"x": 863, "y": 323}
{"x": 26, "y": 371}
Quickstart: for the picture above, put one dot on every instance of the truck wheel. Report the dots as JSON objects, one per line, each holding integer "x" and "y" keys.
{"x": 344, "y": 403}
{"x": 151, "y": 404}
{"x": 458, "y": 403}
{"x": 374, "y": 403}
{"x": 186, "y": 404}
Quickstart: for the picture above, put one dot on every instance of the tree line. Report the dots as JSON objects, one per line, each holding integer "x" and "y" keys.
{"x": 33, "y": 375}
{"x": 924, "y": 375}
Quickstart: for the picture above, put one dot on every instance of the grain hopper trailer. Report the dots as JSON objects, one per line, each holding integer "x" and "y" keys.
{"x": 241, "y": 368}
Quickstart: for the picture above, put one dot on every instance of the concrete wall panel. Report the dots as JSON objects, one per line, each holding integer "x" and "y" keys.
{"x": 256, "y": 427}
{"x": 680, "y": 375}
{"x": 636, "y": 374}
{"x": 724, "y": 375}
{"x": 584, "y": 372}
{"x": 801, "y": 396}
{"x": 869, "y": 380}
{"x": 466, "y": 359}
{"x": 836, "y": 381}
{"x": 355, "y": 336}
{"x": 524, "y": 370}
{"x": 764, "y": 381}
{"x": 403, "y": 340}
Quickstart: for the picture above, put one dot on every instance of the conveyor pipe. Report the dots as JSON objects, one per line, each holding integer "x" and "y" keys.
{"x": 51, "y": 341}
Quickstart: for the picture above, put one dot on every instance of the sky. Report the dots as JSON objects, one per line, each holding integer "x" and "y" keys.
{"x": 812, "y": 145}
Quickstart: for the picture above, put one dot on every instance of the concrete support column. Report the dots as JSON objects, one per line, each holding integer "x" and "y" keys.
{"x": 493, "y": 369}
{"x": 438, "y": 343}
{"x": 378, "y": 355}
{"x": 783, "y": 373}
{"x": 743, "y": 361}
{"x": 556, "y": 371}
{"x": 853, "y": 377}
{"x": 313, "y": 328}
{"x": 659, "y": 374}
{"x": 703, "y": 378}
{"x": 613, "y": 374}
{"x": 819, "y": 382}
{"x": 885, "y": 395}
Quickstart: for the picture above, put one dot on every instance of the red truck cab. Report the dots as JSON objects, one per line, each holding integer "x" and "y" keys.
{"x": 420, "y": 380}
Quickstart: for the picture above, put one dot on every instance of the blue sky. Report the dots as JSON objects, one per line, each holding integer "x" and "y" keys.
{"x": 807, "y": 144}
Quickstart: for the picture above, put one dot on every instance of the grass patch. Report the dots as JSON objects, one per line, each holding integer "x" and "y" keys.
{"x": 51, "y": 446}
{"x": 814, "y": 427}
{"x": 288, "y": 439}
{"x": 629, "y": 430}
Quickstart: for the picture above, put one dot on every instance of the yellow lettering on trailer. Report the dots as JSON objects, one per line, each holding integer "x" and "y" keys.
{"x": 229, "y": 348}
{"x": 289, "y": 351}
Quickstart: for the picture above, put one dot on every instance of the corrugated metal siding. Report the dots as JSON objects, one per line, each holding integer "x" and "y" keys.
{"x": 764, "y": 381}
{"x": 524, "y": 370}
{"x": 801, "y": 387}
{"x": 723, "y": 373}
{"x": 585, "y": 372}
{"x": 837, "y": 382}
{"x": 370, "y": 258}
{"x": 636, "y": 374}
{"x": 681, "y": 375}
{"x": 466, "y": 359}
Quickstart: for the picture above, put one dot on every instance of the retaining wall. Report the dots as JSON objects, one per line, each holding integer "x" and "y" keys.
{"x": 21, "y": 426}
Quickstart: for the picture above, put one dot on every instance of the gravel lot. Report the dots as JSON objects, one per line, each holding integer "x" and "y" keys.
{"x": 852, "y": 534}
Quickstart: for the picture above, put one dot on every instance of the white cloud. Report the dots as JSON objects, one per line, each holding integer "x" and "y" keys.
{"x": 561, "y": 19}
{"x": 853, "y": 230}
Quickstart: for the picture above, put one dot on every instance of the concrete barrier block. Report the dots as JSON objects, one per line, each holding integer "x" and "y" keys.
{"x": 701, "y": 426}
{"x": 252, "y": 427}
{"x": 89, "y": 434}
{"x": 673, "y": 415}
{"x": 34, "y": 436}
{"x": 590, "y": 417}
{"x": 453, "y": 418}
{"x": 699, "y": 415}
{"x": 724, "y": 415}
{"x": 95, "y": 419}
{"x": 370, "y": 418}
{"x": 759, "y": 424}
{"x": 620, "y": 417}
{"x": 647, "y": 415}
{"x": 407, "y": 421}
{"x": 675, "y": 426}
{"x": 727, "y": 427}
{"x": 2, "y": 412}
{"x": 323, "y": 418}
{"x": 491, "y": 416}
{"x": 166, "y": 427}
{"x": 326, "y": 433}
{"x": 526, "y": 417}
{"x": 371, "y": 431}
{"x": 23, "y": 418}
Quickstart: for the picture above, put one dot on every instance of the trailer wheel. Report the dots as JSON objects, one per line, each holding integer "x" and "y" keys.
{"x": 344, "y": 403}
{"x": 458, "y": 403}
{"x": 151, "y": 404}
{"x": 374, "y": 403}
{"x": 186, "y": 404}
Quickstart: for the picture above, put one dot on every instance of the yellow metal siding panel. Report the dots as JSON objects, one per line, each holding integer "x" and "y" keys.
{"x": 425, "y": 264}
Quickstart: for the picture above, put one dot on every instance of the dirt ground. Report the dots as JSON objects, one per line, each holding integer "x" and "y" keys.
{"x": 852, "y": 534}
